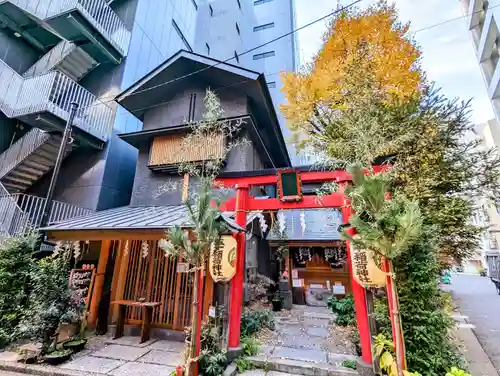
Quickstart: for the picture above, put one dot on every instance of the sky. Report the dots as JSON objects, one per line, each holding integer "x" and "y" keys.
{"x": 448, "y": 56}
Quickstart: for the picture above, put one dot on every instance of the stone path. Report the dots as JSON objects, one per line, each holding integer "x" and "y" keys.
{"x": 125, "y": 356}
{"x": 302, "y": 345}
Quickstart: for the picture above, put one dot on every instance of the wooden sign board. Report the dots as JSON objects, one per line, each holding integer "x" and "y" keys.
{"x": 289, "y": 185}
{"x": 82, "y": 282}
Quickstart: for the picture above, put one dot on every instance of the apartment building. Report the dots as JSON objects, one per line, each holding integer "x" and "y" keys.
{"x": 55, "y": 52}
{"x": 483, "y": 20}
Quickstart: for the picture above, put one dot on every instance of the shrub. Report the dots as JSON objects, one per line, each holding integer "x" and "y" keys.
{"x": 349, "y": 363}
{"x": 243, "y": 364}
{"x": 253, "y": 321}
{"x": 344, "y": 309}
{"x": 250, "y": 346}
{"x": 430, "y": 350}
{"x": 49, "y": 299}
{"x": 15, "y": 265}
{"x": 212, "y": 364}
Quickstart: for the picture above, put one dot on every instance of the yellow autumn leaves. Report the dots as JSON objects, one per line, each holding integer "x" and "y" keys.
{"x": 359, "y": 44}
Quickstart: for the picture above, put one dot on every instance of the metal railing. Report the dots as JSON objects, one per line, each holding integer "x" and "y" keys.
{"x": 97, "y": 12}
{"x": 33, "y": 206}
{"x": 21, "y": 149}
{"x": 53, "y": 92}
{"x": 12, "y": 219}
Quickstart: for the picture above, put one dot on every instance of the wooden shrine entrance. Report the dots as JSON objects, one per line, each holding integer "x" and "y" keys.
{"x": 142, "y": 272}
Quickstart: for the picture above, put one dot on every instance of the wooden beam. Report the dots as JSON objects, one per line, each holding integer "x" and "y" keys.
{"x": 334, "y": 200}
{"x": 99, "y": 282}
{"x": 121, "y": 274}
{"x": 154, "y": 234}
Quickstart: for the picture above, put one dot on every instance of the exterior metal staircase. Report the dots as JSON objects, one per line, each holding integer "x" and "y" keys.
{"x": 65, "y": 57}
{"x": 44, "y": 102}
{"x": 30, "y": 158}
{"x": 91, "y": 24}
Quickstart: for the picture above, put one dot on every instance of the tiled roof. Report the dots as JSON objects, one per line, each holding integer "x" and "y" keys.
{"x": 135, "y": 218}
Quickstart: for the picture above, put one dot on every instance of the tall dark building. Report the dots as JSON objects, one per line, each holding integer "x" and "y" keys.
{"x": 54, "y": 52}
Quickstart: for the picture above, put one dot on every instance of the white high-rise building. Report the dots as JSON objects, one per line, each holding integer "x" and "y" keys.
{"x": 483, "y": 20}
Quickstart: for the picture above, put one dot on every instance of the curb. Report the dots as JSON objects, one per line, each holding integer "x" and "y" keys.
{"x": 477, "y": 359}
{"x": 34, "y": 369}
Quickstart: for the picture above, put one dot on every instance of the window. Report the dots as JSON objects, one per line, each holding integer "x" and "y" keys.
{"x": 258, "y": 2}
{"x": 263, "y": 55}
{"x": 211, "y": 10}
{"x": 271, "y": 84}
{"x": 208, "y": 48}
{"x": 194, "y": 4}
{"x": 236, "y": 57}
{"x": 179, "y": 32}
{"x": 264, "y": 27}
{"x": 237, "y": 28}
{"x": 239, "y": 4}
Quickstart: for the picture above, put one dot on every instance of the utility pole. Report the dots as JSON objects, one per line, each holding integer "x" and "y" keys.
{"x": 60, "y": 155}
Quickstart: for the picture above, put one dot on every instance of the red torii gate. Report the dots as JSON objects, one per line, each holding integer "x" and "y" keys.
{"x": 243, "y": 203}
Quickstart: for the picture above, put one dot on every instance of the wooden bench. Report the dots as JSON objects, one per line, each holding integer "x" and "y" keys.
{"x": 147, "y": 314}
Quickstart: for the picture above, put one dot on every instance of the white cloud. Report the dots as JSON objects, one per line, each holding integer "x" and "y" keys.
{"x": 448, "y": 55}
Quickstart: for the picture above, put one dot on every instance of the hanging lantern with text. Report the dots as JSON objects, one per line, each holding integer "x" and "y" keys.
{"x": 222, "y": 262}
{"x": 365, "y": 270}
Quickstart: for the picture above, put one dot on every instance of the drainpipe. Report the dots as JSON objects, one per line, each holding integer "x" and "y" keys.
{"x": 60, "y": 155}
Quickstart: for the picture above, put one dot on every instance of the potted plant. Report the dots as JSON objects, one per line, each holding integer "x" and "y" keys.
{"x": 75, "y": 344}
{"x": 57, "y": 356}
{"x": 277, "y": 301}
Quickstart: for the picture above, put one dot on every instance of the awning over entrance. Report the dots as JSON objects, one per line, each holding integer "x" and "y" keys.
{"x": 143, "y": 218}
{"x": 320, "y": 225}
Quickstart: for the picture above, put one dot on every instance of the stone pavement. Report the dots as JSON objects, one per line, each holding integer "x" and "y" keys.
{"x": 477, "y": 299}
{"x": 125, "y": 356}
{"x": 299, "y": 348}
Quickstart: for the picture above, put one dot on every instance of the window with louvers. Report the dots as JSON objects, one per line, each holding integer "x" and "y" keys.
{"x": 167, "y": 152}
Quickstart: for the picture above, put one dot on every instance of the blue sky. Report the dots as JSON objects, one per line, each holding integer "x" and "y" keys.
{"x": 448, "y": 55}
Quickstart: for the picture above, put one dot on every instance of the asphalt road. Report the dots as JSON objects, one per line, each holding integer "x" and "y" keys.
{"x": 476, "y": 297}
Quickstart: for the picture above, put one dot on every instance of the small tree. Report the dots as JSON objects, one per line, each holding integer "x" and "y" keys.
{"x": 16, "y": 260}
{"x": 49, "y": 299}
{"x": 386, "y": 227}
{"x": 203, "y": 202}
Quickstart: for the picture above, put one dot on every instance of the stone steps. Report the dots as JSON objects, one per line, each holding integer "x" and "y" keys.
{"x": 308, "y": 362}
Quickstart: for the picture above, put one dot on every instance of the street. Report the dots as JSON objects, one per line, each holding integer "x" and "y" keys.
{"x": 476, "y": 297}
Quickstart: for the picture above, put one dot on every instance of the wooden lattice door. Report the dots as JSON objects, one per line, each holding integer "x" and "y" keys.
{"x": 153, "y": 277}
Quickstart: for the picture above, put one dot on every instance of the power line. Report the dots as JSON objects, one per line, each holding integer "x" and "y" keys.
{"x": 249, "y": 50}
{"x": 452, "y": 20}
{"x": 112, "y": 98}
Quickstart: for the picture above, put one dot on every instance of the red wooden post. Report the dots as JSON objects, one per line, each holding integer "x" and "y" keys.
{"x": 238, "y": 279}
{"x": 359, "y": 294}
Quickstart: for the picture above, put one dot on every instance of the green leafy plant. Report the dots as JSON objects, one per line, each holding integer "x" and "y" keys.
{"x": 49, "y": 300}
{"x": 349, "y": 363}
{"x": 454, "y": 371}
{"x": 244, "y": 364}
{"x": 16, "y": 262}
{"x": 212, "y": 364}
{"x": 250, "y": 346}
{"x": 253, "y": 321}
{"x": 344, "y": 309}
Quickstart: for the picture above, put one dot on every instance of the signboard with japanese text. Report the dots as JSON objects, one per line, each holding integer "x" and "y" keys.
{"x": 222, "y": 263}
{"x": 365, "y": 270}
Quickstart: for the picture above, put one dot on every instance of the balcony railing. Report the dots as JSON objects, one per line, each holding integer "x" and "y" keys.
{"x": 97, "y": 12}
{"x": 53, "y": 92}
{"x": 33, "y": 206}
{"x": 12, "y": 219}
